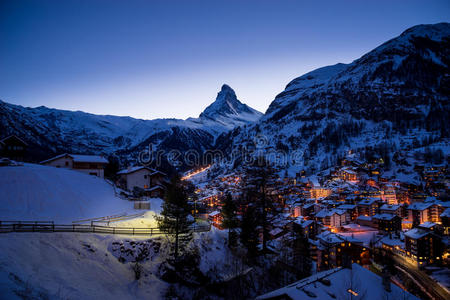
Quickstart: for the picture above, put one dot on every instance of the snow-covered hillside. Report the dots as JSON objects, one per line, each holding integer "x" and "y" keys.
{"x": 57, "y": 131}
{"x": 40, "y": 193}
{"x": 96, "y": 266}
{"x": 396, "y": 97}
{"x": 72, "y": 266}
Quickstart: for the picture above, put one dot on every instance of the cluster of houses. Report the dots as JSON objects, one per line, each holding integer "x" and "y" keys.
{"x": 352, "y": 209}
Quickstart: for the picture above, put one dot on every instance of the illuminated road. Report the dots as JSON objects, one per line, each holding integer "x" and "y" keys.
{"x": 432, "y": 287}
{"x": 190, "y": 175}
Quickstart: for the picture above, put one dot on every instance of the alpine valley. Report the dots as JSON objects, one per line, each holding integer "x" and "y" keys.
{"x": 389, "y": 103}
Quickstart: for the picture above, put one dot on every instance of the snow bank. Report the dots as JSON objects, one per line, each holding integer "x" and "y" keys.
{"x": 41, "y": 193}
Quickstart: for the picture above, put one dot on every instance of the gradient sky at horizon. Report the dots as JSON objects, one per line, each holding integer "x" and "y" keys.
{"x": 161, "y": 59}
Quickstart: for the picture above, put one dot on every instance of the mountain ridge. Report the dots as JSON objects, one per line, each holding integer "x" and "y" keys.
{"x": 51, "y": 131}
{"x": 394, "y": 97}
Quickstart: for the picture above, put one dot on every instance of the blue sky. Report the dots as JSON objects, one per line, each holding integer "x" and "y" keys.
{"x": 155, "y": 59}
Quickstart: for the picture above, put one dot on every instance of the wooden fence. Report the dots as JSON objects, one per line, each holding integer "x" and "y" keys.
{"x": 37, "y": 226}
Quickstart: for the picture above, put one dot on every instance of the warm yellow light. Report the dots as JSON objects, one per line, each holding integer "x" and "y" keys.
{"x": 352, "y": 292}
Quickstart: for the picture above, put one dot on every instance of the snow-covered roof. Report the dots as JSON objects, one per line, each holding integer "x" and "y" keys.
{"x": 389, "y": 207}
{"x": 214, "y": 213}
{"x": 347, "y": 206}
{"x": 384, "y": 216}
{"x": 364, "y": 218}
{"x": 336, "y": 284}
{"x": 276, "y": 231}
{"x": 419, "y": 206}
{"x": 427, "y": 225}
{"x": 369, "y": 201}
{"x": 135, "y": 169}
{"x": 89, "y": 158}
{"x": 416, "y": 233}
{"x": 302, "y": 222}
{"x": 328, "y": 213}
{"x": 80, "y": 158}
{"x": 392, "y": 242}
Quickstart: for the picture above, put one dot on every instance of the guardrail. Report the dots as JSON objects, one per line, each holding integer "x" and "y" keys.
{"x": 36, "y": 226}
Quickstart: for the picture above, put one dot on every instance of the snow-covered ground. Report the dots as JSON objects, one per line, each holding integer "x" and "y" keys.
{"x": 72, "y": 266}
{"x": 148, "y": 220}
{"x": 97, "y": 266}
{"x": 40, "y": 193}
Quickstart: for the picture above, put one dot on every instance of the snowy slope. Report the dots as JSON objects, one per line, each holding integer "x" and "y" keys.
{"x": 40, "y": 193}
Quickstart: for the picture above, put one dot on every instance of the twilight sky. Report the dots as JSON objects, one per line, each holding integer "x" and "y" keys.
{"x": 155, "y": 59}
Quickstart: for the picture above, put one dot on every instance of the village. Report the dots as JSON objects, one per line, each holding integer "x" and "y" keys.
{"x": 355, "y": 210}
{"x": 351, "y": 211}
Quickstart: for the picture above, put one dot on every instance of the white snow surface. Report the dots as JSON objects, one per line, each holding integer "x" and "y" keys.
{"x": 71, "y": 266}
{"x": 40, "y": 193}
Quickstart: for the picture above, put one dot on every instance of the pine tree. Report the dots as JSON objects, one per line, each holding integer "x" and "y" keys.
{"x": 175, "y": 217}
{"x": 249, "y": 232}
{"x": 230, "y": 221}
{"x": 302, "y": 255}
{"x": 259, "y": 178}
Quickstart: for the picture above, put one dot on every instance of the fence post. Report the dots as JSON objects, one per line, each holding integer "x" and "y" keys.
{"x": 73, "y": 227}
{"x": 133, "y": 230}
{"x": 114, "y": 230}
{"x": 53, "y": 227}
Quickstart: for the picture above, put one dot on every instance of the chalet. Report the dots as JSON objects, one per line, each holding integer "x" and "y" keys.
{"x": 347, "y": 174}
{"x": 309, "y": 209}
{"x": 423, "y": 246}
{"x": 151, "y": 181}
{"x": 419, "y": 213}
{"x": 89, "y": 164}
{"x": 304, "y": 227}
{"x": 13, "y": 148}
{"x": 436, "y": 209}
{"x": 365, "y": 221}
{"x": 332, "y": 248}
{"x": 215, "y": 218}
{"x": 388, "y": 194}
{"x": 334, "y": 218}
{"x": 391, "y": 209}
{"x": 393, "y": 245}
{"x": 352, "y": 211}
{"x": 445, "y": 218}
{"x": 387, "y": 222}
{"x": 368, "y": 207}
{"x": 316, "y": 190}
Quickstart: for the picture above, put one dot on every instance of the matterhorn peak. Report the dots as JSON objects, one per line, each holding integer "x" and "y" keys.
{"x": 227, "y": 104}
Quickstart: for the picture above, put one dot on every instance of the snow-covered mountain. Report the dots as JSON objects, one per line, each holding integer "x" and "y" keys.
{"x": 394, "y": 97}
{"x": 227, "y": 107}
{"x": 51, "y": 131}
